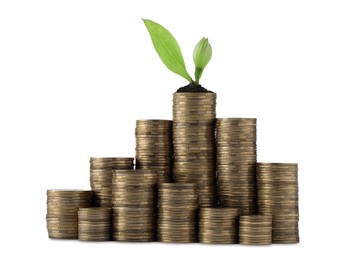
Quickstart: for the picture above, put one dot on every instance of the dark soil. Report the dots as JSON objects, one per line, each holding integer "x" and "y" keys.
{"x": 193, "y": 88}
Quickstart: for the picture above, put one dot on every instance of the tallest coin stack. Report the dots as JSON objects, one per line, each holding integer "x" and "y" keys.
{"x": 194, "y": 143}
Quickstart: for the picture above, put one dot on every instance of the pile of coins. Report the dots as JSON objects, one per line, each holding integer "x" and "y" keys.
{"x": 134, "y": 224}
{"x": 194, "y": 143}
{"x": 236, "y": 162}
{"x": 134, "y": 188}
{"x": 218, "y": 225}
{"x": 177, "y": 212}
{"x": 255, "y": 230}
{"x": 196, "y": 179}
{"x": 278, "y": 196}
{"x": 94, "y": 224}
{"x": 101, "y": 177}
{"x": 154, "y": 147}
{"x": 62, "y": 212}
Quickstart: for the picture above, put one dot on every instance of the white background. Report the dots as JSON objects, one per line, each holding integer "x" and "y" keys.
{"x": 75, "y": 75}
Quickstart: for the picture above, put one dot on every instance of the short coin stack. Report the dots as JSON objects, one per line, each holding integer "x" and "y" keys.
{"x": 278, "y": 196}
{"x": 154, "y": 147}
{"x": 134, "y": 205}
{"x": 101, "y": 177}
{"x": 194, "y": 143}
{"x": 218, "y": 225}
{"x": 134, "y": 224}
{"x": 62, "y": 211}
{"x": 236, "y": 161}
{"x": 177, "y": 212}
{"x": 94, "y": 224}
{"x": 255, "y": 230}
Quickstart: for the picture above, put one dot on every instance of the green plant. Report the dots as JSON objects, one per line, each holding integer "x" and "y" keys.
{"x": 170, "y": 53}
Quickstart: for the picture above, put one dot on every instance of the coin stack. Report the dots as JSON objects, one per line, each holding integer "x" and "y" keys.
{"x": 134, "y": 202}
{"x": 177, "y": 212}
{"x": 134, "y": 224}
{"x": 94, "y": 224}
{"x": 194, "y": 143}
{"x": 62, "y": 211}
{"x": 255, "y": 230}
{"x": 236, "y": 163}
{"x": 154, "y": 147}
{"x": 278, "y": 196}
{"x": 134, "y": 188}
{"x": 101, "y": 177}
{"x": 218, "y": 225}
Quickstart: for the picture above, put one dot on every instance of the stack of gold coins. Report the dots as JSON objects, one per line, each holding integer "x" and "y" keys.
{"x": 134, "y": 224}
{"x": 62, "y": 211}
{"x": 134, "y": 201}
{"x": 154, "y": 147}
{"x": 278, "y": 196}
{"x": 255, "y": 230}
{"x": 177, "y": 212}
{"x": 264, "y": 178}
{"x": 94, "y": 224}
{"x": 194, "y": 143}
{"x": 134, "y": 188}
{"x": 101, "y": 177}
{"x": 218, "y": 225}
{"x": 236, "y": 163}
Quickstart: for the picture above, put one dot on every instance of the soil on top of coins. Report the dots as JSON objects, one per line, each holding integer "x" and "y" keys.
{"x": 193, "y": 88}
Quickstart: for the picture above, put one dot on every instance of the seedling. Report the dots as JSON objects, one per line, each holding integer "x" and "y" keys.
{"x": 170, "y": 53}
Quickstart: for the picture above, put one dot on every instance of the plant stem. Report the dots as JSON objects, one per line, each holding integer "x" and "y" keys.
{"x": 195, "y": 83}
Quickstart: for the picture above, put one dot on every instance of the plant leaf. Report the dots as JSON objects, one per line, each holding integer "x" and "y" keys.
{"x": 167, "y": 48}
{"x": 202, "y": 56}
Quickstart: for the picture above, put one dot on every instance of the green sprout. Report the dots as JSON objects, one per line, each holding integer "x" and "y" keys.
{"x": 170, "y": 53}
